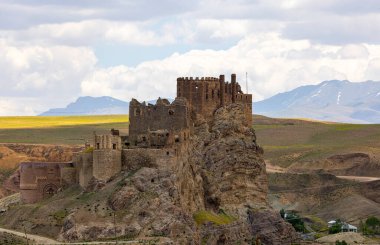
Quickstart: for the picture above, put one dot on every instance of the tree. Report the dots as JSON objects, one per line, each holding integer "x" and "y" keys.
{"x": 336, "y": 228}
{"x": 371, "y": 226}
{"x": 295, "y": 220}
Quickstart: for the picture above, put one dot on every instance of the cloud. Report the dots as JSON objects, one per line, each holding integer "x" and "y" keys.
{"x": 23, "y": 14}
{"x": 53, "y": 72}
{"x": 264, "y": 57}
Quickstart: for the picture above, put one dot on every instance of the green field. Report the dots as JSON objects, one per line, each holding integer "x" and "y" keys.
{"x": 57, "y": 121}
{"x": 67, "y": 130}
{"x": 286, "y": 141}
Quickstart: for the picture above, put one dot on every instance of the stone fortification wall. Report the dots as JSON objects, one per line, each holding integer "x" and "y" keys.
{"x": 68, "y": 176}
{"x": 158, "y": 125}
{"x": 39, "y": 180}
{"x": 137, "y": 158}
{"x": 207, "y": 94}
{"x": 83, "y": 165}
{"x": 107, "y": 163}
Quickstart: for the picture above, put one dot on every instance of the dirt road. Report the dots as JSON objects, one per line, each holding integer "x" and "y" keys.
{"x": 359, "y": 178}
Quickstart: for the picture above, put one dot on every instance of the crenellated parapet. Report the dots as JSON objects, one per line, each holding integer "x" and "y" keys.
{"x": 206, "y": 94}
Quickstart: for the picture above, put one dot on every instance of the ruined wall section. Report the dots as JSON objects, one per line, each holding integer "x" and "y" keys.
{"x": 68, "y": 175}
{"x": 39, "y": 180}
{"x": 106, "y": 156}
{"x": 158, "y": 125}
{"x": 83, "y": 165}
{"x": 107, "y": 163}
{"x": 205, "y": 95}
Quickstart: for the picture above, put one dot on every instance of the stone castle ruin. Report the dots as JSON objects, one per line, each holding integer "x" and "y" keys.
{"x": 159, "y": 131}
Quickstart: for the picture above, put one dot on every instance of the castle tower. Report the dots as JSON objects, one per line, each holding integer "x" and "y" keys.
{"x": 106, "y": 156}
{"x": 221, "y": 88}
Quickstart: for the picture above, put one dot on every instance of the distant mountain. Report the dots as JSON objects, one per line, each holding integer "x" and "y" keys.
{"x": 91, "y": 106}
{"x": 340, "y": 101}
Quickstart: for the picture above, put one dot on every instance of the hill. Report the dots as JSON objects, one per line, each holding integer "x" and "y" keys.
{"x": 88, "y": 105}
{"x": 339, "y": 101}
{"x": 91, "y": 106}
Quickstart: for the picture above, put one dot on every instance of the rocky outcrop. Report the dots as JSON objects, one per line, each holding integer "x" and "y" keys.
{"x": 216, "y": 193}
{"x": 351, "y": 164}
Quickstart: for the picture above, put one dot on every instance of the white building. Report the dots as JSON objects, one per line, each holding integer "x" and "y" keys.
{"x": 345, "y": 226}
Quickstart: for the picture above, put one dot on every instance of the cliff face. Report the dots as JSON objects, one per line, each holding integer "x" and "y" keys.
{"x": 216, "y": 192}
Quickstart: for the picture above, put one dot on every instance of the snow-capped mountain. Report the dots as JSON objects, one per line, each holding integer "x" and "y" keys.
{"x": 340, "y": 101}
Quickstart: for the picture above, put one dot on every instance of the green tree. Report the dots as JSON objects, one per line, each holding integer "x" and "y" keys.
{"x": 296, "y": 221}
{"x": 371, "y": 226}
{"x": 336, "y": 228}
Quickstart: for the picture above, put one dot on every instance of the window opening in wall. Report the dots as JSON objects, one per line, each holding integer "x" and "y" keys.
{"x": 137, "y": 111}
{"x": 167, "y": 153}
{"x": 196, "y": 86}
{"x": 167, "y": 134}
{"x": 144, "y": 139}
{"x": 114, "y": 146}
{"x": 97, "y": 146}
{"x": 171, "y": 112}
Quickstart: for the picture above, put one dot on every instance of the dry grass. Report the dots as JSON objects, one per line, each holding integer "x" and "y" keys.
{"x": 202, "y": 217}
{"x": 56, "y": 121}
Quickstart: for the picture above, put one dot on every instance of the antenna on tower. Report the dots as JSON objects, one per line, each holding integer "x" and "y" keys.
{"x": 246, "y": 81}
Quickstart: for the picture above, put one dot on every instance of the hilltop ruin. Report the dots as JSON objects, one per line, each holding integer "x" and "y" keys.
{"x": 161, "y": 130}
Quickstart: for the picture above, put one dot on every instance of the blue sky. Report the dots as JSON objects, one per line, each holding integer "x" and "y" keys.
{"x": 55, "y": 51}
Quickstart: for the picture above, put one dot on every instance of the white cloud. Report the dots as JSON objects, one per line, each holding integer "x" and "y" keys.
{"x": 265, "y": 58}
{"x": 50, "y": 74}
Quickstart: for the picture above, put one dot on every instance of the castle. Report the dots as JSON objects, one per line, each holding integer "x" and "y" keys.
{"x": 160, "y": 131}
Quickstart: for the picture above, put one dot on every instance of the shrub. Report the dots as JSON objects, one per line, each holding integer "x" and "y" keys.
{"x": 336, "y": 228}
{"x": 202, "y": 217}
{"x": 295, "y": 220}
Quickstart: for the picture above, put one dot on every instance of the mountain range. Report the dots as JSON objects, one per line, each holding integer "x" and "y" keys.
{"x": 338, "y": 101}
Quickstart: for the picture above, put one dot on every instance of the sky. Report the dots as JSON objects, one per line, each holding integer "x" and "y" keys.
{"x": 53, "y": 51}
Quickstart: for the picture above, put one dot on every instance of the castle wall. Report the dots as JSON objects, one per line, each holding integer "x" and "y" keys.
{"x": 106, "y": 163}
{"x": 136, "y": 158}
{"x": 158, "y": 125}
{"x": 68, "y": 176}
{"x": 40, "y": 180}
{"x": 207, "y": 94}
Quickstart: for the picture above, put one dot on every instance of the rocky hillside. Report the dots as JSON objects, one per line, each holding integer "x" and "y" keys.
{"x": 324, "y": 196}
{"x": 215, "y": 193}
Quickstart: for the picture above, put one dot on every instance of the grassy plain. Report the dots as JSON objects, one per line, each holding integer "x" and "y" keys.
{"x": 289, "y": 140}
{"x": 68, "y": 130}
{"x": 284, "y": 140}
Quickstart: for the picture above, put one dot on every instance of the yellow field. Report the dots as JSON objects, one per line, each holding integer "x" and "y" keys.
{"x": 56, "y": 121}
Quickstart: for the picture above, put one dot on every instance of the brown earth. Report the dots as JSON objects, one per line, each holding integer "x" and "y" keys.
{"x": 351, "y": 164}
{"x": 325, "y": 196}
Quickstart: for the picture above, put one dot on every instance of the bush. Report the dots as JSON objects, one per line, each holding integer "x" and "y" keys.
{"x": 336, "y": 228}
{"x": 295, "y": 220}
{"x": 371, "y": 226}
{"x": 202, "y": 217}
